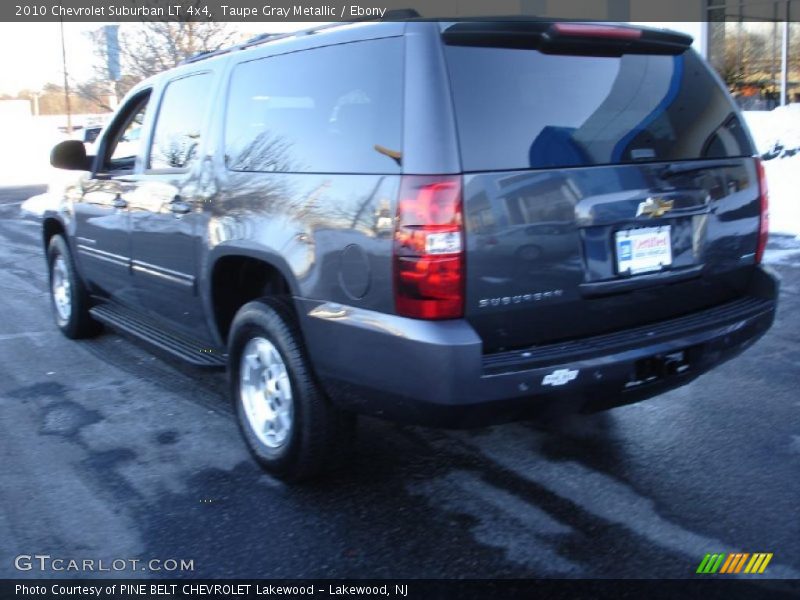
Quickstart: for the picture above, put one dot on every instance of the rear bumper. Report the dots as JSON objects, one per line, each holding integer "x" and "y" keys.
{"x": 435, "y": 372}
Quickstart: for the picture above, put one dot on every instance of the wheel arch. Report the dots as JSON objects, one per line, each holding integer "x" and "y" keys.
{"x": 52, "y": 226}
{"x": 238, "y": 274}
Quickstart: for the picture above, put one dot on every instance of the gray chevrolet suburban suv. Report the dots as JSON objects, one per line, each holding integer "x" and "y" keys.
{"x": 449, "y": 223}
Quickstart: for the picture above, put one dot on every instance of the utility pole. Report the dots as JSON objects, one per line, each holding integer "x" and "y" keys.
{"x": 66, "y": 79}
{"x": 112, "y": 59}
{"x": 785, "y": 61}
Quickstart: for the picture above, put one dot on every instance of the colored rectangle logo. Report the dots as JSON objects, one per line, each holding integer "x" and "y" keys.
{"x": 734, "y": 563}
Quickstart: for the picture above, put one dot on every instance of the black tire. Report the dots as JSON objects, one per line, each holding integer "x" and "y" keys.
{"x": 76, "y": 322}
{"x": 320, "y": 433}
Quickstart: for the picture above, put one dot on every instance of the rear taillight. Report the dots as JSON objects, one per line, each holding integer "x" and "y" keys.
{"x": 763, "y": 198}
{"x": 429, "y": 248}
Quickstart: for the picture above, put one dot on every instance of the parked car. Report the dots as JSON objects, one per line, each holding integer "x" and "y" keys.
{"x": 338, "y": 216}
{"x": 90, "y": 133}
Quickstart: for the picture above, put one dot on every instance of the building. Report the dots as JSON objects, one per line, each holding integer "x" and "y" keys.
{"x": 755, "y": 46}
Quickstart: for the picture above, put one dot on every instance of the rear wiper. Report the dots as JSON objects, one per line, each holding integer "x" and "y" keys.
{"x": 674, "y": 170}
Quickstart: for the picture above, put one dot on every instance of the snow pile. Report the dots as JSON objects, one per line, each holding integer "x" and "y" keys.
{"x": 776, "y": 132}
{"x": 783, "y": 180}
{"x": 26, "y": 154}
{"x": 777, "y": 137}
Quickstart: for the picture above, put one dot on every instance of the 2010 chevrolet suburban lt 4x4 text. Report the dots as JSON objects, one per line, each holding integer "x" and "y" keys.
{"x": 436, "y": 222}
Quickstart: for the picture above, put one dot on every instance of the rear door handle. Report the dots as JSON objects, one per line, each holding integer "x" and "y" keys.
{"x": 179, "y": 207}
{"x": 120, "y": 202}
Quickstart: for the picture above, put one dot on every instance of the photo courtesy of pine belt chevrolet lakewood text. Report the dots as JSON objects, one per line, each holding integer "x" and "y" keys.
{"x": 442, "y": 223}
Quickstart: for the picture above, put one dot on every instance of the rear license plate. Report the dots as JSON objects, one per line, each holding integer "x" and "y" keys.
{"x": 643, "y": 250}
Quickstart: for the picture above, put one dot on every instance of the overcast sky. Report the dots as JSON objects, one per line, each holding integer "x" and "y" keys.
{"x": 32, "y": 51}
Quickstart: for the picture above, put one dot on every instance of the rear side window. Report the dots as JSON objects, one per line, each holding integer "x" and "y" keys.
{"x": 176, "y": 139}
{"x": 520, "y": 108}
{"x": 335, "y": 109}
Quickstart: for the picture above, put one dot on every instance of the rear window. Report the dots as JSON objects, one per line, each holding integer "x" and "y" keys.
{"x": 336, "y": 109}
{"x": 520, "y": 109}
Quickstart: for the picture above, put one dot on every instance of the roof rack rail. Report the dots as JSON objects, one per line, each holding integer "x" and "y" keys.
{"x": 262, "y": 38}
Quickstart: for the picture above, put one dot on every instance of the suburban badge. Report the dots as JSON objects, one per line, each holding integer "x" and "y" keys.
{"x": 520, "y": 298}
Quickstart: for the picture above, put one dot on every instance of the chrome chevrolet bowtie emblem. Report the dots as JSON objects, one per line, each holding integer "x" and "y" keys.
{"x": 654, "y": 207}
{"x": 560, "y": 377}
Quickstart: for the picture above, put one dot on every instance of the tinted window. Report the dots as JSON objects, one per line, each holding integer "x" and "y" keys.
{"x": 519, "y": 109}
{"x": 329, "y": 110}
{"x": 176, "y": 139}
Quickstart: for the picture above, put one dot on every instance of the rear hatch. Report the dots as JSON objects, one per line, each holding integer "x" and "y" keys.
{"x": 608, "y": 180}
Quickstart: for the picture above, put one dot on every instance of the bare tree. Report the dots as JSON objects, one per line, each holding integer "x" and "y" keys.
{"x": 744, "y": 57}
{"x": 157, "y": 46}
{"x": 152, "y": 46}
{"x": 52, "y": 102}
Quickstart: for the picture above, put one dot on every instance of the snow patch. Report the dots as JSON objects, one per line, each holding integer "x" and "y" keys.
{"x": 783, "y": 181}
{"x": 783, "y": 250}
{"x": 775, "y": 132}
{"x": 777, "y": 137}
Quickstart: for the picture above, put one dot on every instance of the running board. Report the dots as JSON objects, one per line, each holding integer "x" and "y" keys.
{"x": 129, "y": 322}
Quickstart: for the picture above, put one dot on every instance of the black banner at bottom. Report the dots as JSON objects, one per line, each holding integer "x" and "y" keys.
{"x": 219, "y": 589}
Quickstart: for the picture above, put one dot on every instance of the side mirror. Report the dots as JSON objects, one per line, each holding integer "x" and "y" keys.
{"x": 71, "y": 155}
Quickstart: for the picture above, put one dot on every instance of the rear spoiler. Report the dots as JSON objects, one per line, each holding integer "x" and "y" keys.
{"x": 566, "y": 37}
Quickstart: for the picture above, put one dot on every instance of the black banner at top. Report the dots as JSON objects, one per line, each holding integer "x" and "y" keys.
{"x": 349, "y": 10}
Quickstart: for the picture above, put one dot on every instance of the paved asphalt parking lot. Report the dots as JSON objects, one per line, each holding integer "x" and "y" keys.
{"x": 110, "y": 452}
